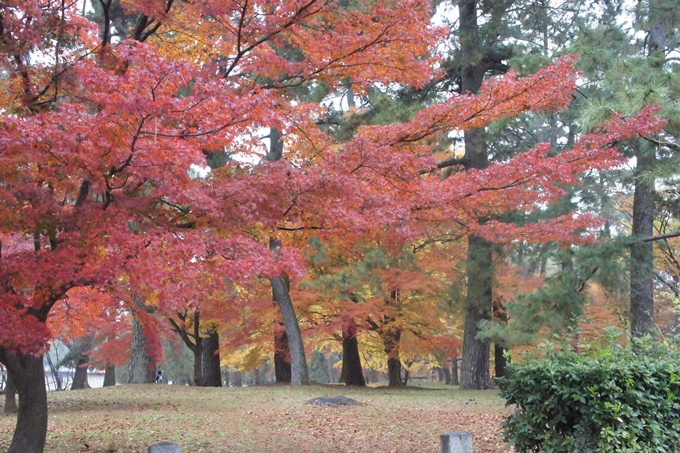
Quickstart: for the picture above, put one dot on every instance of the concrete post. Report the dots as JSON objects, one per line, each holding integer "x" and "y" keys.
{"x": 456, "y": 442}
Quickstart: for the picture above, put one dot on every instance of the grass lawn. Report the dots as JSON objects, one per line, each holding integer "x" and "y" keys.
{"x": 129, "y": 418}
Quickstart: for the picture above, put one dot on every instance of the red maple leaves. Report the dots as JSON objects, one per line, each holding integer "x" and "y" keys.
{"x": 98, "y": 139}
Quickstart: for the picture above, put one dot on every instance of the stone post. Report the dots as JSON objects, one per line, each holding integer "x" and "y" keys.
{"x": 164, "y": 447}
{"x": 456, "y": 442}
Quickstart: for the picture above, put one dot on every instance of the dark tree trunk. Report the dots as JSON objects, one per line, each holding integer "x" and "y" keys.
{"x": 447, "y": 375}
{"x": 141, "y": 367}
{"x": 351, "y": 360}
{"x": 10, "y": 395}
{"x": 29, "y": 378}
{"x": 454, "y": 371}
{"x": 298, "y": 362}
{"x": 394, "y": 372}
{"x": 226, "y": 377}
{"x": 198, "y": 366}
{"x": 110, "y": 376}
{"x": 475, "y": 364}
{"x": 281, "y": 354}
{"x": 391, "y": 336}
{"x": 407, "y": 374}
{"x": 80, "y": 376}
{"x": 212, "y": 375}
{"x": 440, "y": 374}
{"x": 237, "y": 379}
{"x": 642, "y": 253}
{"x": 500, "y": 361}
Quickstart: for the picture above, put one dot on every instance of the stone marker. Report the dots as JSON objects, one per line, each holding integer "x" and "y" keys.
{"x": 164, "y": 447}
{"x": 333, "y": 401}
{"x": 456, "y": 442}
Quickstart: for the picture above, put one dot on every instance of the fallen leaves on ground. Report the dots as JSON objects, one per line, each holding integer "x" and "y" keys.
{"x": 266, "y": 419}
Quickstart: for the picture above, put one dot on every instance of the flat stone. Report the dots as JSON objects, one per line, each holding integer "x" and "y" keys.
{"x": 164, "y": 447}
{"x": 333, "y": 401}
{"x": 456, "y": 442}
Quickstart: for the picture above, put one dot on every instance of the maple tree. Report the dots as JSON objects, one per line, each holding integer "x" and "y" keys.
{"x": 98, "y": 138}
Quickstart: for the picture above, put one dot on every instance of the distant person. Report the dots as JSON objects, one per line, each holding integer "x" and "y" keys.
{"x": 159, "y": 377}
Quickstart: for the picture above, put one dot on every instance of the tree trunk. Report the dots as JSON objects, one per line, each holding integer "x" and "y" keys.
{"x": 212, "y": 375}
{"x": 80, "y": 376}
{"x": 29, "y": 378}
{"x": 329, "y": 370}
{"x": 198, "y": 365}
{"x": 55, "y": 373}
{"x": 298, "y": 362}
{"x": 141, "y": 367}
{"x": 475, "y": 364}
{"x": 281, "y": 354}
{"x": 394, "y": 372}
{"x": 351, "y": 360}
{"x": 10, "y": 395}
{"x": 110, "y": 376}
{"x": 391, "y": 336}
{"x": 642, "y": 253}
{"x": 454, "y": 371}
{"x": 500, "y": 362}
{"x": 280, "y": 291}
{"x": 226, "y": 377}
{"x": 447, "y": 375}
{"x": 237, "y": 380}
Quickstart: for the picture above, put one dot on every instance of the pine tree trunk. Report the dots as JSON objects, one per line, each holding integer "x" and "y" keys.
{"x": 10, "y": 395}
{"x": 351, "y": 360}
{"x": 474, "y": 373}
{"x": 141, "y": 367}
{"x": 212, "y": 375}
{"x": 281, "y": 354}
{"x": 110, "y": 376}
{"x": 642, "y": 253}
{"x": 298, "y": 361}
{"x": 475, "y": 364}
{"x": 80, "y": 376}
{"x": 501, "y": 363}
{"x": 29, "y": 378}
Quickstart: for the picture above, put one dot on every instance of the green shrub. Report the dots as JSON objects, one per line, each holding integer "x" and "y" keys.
{"x": 608, "y": 399}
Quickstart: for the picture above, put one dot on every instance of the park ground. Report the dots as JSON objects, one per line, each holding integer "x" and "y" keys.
{"x": 127, "y": 419}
